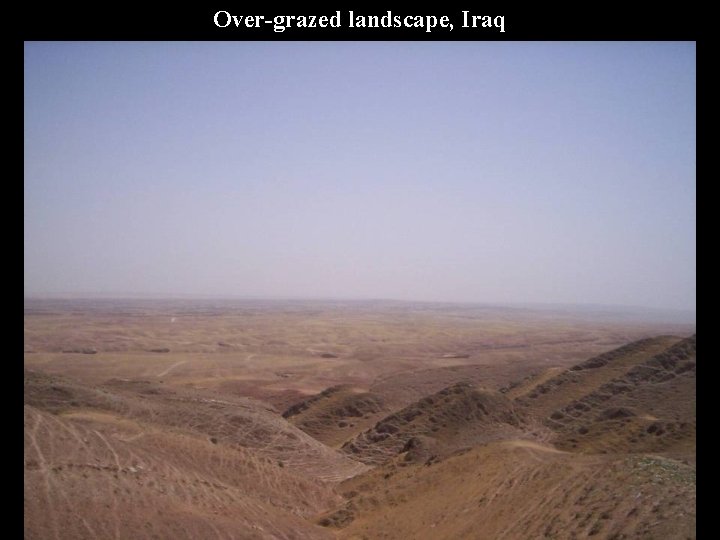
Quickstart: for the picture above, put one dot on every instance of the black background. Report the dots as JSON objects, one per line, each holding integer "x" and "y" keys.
{"x": 579, "y": 22}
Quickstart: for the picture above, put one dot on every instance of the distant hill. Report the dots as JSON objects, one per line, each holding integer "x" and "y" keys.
{"x": 460, "y": 415}
{"x": 605, "y": 448}
{"x": 648, "y": 408}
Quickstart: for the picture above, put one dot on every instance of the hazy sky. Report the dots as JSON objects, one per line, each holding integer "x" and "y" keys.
{"x": 469, "y": 171}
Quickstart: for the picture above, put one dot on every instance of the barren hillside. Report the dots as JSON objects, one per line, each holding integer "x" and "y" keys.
{"x": 321, "y": 420}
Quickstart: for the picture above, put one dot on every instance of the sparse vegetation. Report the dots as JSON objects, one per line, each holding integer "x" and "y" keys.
{"x": 251, "y": 422}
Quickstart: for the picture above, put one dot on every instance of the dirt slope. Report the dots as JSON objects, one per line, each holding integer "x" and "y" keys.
{"x": 96, "y": 475}
{"x": 520, "y": 490}
{"x": 336, "y": 414}
{"x": 597, "y": 475}
{"x": 460, "y": 415}
{"x": 236, "y": 422}
{"x": 649, "y": 408}
{"x": 289, "y": 424}
{"x": 584, "y": 378}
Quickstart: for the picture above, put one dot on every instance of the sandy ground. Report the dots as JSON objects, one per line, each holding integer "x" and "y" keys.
{"x": 164, "y": 419}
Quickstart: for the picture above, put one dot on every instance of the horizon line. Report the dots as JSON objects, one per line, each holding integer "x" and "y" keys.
{"x": 193, "y": 296}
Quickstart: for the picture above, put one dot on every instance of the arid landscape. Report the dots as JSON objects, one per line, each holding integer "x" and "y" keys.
{"x": 368, "y": 419}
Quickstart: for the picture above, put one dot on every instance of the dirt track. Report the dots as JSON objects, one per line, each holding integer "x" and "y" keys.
{"x": 192, "y": 443}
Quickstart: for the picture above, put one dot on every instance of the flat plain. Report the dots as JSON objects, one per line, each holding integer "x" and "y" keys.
{"x": 366, "y": 419}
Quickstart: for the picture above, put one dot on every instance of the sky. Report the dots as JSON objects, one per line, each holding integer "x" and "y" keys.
{"x": 493, "y": 172}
